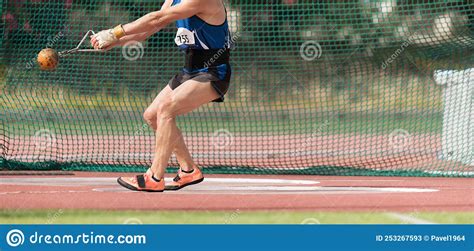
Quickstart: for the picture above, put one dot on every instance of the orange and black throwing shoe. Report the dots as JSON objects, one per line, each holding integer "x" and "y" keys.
{"x": 184, "y": 179}
{"x": 144, "y": 182}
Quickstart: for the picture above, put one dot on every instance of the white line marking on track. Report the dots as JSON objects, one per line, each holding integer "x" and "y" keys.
{"x": 211, "y": 186}
{"x": 41, "y": 192}
{"x": 81, "y": 181}
{"x": 315, "y": 190}
{"x": 409, "y": 219}
{"x": 264, "y": 181}
{"x": 367, "y": 180}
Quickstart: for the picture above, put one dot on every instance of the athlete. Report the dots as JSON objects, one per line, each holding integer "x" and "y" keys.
{"x": 203, "y": 35}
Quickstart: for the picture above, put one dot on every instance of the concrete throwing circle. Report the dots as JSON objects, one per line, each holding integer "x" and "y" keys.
{"x": 214, "y": 186}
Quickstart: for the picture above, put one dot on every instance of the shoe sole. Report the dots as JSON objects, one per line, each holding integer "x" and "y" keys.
{"x": 174, "y": 188}
{"x": 128, "y": 186}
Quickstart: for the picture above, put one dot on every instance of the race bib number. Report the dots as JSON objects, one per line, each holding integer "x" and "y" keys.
{"x": 184, "y": 36}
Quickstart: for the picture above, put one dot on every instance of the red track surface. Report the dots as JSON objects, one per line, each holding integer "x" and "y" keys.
{"x": 455, "y": 194}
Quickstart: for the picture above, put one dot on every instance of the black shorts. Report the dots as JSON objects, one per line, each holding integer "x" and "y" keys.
{"x": 218, "y": 76}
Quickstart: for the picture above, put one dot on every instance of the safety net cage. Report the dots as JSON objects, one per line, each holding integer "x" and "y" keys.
{"x": 347, "y": 87}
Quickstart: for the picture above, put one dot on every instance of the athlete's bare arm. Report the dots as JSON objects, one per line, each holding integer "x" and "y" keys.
{"x": 132, "y": 37}
{"x": 147, "y": 25}
{"x": 155, "y": 21}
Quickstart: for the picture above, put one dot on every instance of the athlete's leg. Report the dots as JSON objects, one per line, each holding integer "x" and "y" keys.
{"x": 185, "y": 98}
{"x": 150, "y": 112}
{"x": 183, "y": 156}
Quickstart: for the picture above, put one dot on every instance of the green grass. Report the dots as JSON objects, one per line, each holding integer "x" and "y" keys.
{"x": 58, "y": 216}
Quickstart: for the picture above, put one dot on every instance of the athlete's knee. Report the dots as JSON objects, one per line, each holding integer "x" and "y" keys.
{"x": 149, "y": 116}
{"x": 167, "y": 109}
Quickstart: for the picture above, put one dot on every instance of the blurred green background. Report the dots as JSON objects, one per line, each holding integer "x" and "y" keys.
{"x": 355, "y": 39}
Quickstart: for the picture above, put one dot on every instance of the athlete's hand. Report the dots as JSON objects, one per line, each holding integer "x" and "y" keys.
{"x": 106, "y": 39}
{"x": 103, "y": 39}
{"x": 96, "y": 44}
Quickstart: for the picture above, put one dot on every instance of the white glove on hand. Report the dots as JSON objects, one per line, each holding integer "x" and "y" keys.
{"x": 108, "y": 37}
{"x": 105, "y": 38}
